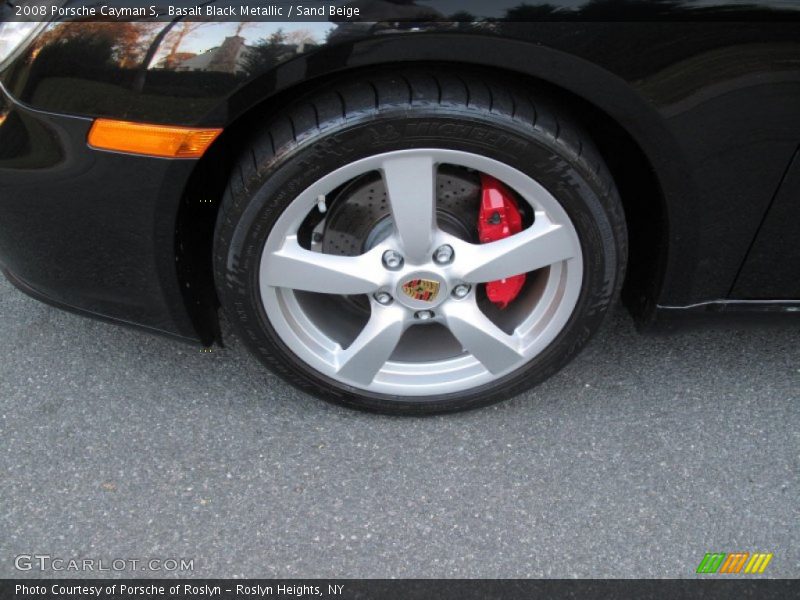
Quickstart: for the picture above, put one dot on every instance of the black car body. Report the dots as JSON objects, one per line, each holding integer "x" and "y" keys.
{"x": 695, "y": 106}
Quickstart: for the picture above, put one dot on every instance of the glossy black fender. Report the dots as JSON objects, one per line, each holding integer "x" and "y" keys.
{"x": 704, "y": 111}
{"x": 89, "y": 231}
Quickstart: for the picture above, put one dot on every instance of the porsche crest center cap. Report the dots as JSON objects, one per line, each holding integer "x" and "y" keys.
{"x": 421, "y": 290}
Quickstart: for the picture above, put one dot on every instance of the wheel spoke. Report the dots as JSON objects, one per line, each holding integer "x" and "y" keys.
{"x": 479, "y": 336}
{"x": 543, "y": 244}
{"x": 362, "y": 360}
{"x": 299, "y": 269}
{"x": 411, "y": 189}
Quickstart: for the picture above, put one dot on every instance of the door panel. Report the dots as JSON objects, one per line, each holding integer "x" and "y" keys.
{"x": 772, "y": 268}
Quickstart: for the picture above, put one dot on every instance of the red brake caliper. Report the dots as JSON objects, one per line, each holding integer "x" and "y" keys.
{"x": 499, "y": 218}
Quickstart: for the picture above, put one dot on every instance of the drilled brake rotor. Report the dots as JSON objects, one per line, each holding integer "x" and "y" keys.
{"x": 360, "y": 216}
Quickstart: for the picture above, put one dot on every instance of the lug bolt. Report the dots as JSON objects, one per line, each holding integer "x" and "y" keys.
{"x": 392, "y": 260}
{"x": 443, "y": 255}
{"x": 383, "y": 298}
{"x": 424, "y": 315}
{"x": 461, "y": 290}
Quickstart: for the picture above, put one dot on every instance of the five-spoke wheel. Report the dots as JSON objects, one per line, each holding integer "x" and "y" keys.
{"x": 425, "y": 251}
{"x": 419, "y": 276}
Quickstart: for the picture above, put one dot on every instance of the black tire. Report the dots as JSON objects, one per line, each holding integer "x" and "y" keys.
{"x": 383, "y": 111}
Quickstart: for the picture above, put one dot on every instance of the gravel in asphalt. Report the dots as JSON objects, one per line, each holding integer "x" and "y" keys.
{"x": 633, "y": 461}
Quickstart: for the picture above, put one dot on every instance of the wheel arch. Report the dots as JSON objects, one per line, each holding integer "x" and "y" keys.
{"x": 633, "y": 139}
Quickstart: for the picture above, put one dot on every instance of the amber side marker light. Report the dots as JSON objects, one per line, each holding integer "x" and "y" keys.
{"x": 151, "y": 140}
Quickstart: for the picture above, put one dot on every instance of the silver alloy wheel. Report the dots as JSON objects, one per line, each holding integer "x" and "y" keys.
{"x": 460, "y": 346}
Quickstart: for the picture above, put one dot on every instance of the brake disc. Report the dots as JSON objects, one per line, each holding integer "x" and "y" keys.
{"x": 359, "y": 217}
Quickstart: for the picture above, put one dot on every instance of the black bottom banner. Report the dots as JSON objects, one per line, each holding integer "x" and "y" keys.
{"x": 411, "y": 589}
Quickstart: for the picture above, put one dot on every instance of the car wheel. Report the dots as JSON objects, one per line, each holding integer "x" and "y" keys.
{"x": 419, "y": 241}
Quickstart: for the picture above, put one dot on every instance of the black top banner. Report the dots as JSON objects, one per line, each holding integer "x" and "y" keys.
{"x": 371, "y": 11}
{"x": 414, "y": 589}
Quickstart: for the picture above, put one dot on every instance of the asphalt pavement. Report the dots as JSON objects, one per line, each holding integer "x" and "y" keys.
{"x": 634, "y": 461}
